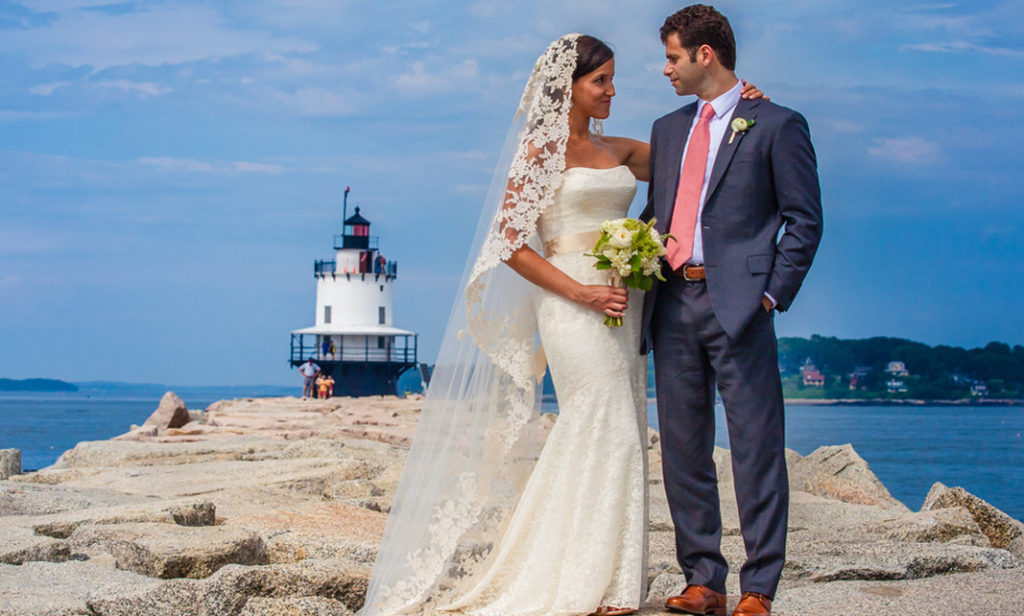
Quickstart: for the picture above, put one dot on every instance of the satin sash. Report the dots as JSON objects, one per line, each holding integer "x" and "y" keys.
{"x": 574, "y": 242}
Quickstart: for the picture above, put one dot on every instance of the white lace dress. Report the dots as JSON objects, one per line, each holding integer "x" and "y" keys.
{"x": 577, "y": 539}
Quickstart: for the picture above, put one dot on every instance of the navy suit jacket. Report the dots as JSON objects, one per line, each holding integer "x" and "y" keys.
{"x": 765, "y": 179}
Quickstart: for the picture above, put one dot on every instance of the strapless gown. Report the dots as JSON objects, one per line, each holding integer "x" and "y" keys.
{"x": 577, "y": 538}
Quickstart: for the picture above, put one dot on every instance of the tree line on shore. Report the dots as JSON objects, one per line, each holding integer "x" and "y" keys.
{"x": 856, "y": 369}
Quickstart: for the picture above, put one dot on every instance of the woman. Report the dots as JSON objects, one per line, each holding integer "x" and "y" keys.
{"x": 480, "y": 525}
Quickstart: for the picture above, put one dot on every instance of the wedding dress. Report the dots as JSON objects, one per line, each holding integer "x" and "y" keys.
{"x": 577, "y": 538}
{"x": 480, "y": 523}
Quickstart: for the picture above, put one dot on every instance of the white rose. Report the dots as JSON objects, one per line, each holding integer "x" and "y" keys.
{"x": 649, "y": 265}
{"x": 621, "y": 238}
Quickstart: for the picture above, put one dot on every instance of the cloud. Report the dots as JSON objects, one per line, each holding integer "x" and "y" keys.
{"x": 151, "y": 35}
{"x": 910, "y": 150}
{"x": 190, "y": 165}
{"x": 144, "y": 87}
{"x": 315, "y": 101}
{"x": 176, "y": 164}
{"x": 420, "y": 81}
{"x": 245, "y": 167}
{"x": 963, "y": 46}
{"x": 46, "y": 89}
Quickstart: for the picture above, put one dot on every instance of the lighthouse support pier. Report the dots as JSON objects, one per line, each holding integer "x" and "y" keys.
{"x": 363, "y": 363}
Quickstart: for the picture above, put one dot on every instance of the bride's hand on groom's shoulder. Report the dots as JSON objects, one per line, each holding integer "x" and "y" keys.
{"x": 750, "y": 91}
{"x": 611, "y": 301}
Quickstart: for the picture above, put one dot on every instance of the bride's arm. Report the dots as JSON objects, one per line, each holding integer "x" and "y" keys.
{"x": 634, "y": 154}
{"x": 637, "y": 154}
{"x": 535, "y": 268}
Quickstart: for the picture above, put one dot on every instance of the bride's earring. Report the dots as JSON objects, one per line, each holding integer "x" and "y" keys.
{"x": 597, "y": 126}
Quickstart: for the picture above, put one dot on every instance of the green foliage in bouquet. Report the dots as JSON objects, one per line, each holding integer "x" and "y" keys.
{"x": 632, "y": 252}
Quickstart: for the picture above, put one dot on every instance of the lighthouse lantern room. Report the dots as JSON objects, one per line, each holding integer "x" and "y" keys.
{"x": 354, "y": 339}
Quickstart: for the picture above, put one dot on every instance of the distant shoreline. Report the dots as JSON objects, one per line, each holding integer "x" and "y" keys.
{"x": 36, "y": 385}
{"x": 903, "y": 402}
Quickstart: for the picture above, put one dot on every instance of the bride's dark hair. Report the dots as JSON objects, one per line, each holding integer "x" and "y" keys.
{"x": 591, "y": 53}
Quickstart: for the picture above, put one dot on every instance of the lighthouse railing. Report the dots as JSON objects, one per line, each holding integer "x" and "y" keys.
{"x": 394, "y": 349}
{"x": 322, "y": 268}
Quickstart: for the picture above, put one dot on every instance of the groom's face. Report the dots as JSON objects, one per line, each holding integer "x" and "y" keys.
{"x": 684, "y": 73}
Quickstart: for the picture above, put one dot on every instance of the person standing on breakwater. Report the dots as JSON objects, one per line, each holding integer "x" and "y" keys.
{"x": 481, "y": 525}
{"x": 727, "y": 175}
{"x": 309, "y": 370}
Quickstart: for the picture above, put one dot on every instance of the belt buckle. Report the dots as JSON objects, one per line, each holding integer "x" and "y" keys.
{"x": 686, "y": 277}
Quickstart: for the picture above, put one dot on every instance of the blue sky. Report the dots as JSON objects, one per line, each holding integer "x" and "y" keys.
{"x": 169, "y": 170}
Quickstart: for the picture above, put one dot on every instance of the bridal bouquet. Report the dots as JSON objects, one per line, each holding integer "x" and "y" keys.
{"x": 632, "y": 251}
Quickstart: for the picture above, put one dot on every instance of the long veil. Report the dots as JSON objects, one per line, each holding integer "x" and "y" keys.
{"x": 477, "y": 439}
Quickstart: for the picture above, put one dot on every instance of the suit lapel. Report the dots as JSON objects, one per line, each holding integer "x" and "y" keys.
{"x": 744, "y": 109}
{"x": 679, "y": 130}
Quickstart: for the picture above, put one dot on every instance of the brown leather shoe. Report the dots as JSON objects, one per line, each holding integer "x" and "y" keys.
{"x": 753, "y": 604}
{"x": 699, "y": 600}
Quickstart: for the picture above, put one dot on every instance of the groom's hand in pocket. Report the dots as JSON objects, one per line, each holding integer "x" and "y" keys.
{"x": 767, "y": 303}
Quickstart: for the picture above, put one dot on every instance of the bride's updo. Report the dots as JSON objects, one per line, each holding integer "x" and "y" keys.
{"x": 591, "y": 52}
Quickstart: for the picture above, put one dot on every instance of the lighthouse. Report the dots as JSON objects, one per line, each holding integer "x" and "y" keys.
{"x": 354, "y": 339}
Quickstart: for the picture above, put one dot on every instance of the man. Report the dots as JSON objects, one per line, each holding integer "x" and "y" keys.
{"x": 309, "y": 371}
{"x": 726, "y": 175}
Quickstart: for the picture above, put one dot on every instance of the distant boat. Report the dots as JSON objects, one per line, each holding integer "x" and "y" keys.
{"x": 353, "y": 339}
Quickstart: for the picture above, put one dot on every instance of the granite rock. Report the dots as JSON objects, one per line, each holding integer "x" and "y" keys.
{"x": 183, "y": 513}
{"x": 52, "y": 589}
{"x": 21, "y": 497}
{"x": 168, "y": 550}
{"x": 837, "y": 472}
{"x": 294, "y": 606}
{"x": 955, "y": 524}
{"x": 1002, "y": 530}
{"x": 19, "y": 545}
{"x": 977, "y": 594}
{"x": 828, "y": 560}
{"x": 10, "y": 463}
{"x": 227, "y": 592}
{"x": 322, "y": 531}
{"x": 170, "y": 413}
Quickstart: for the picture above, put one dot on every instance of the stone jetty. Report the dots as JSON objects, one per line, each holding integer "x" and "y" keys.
{"x": 276, "y": 507}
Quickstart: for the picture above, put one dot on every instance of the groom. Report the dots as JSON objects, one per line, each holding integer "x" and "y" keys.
{"x": 726, "y": 175}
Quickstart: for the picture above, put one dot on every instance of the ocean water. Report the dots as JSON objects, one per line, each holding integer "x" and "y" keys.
{"x": 908, "y": 448}
{"x": 980, "y": 449}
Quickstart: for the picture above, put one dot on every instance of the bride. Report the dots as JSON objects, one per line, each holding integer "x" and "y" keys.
{"x": 481, "y": 524}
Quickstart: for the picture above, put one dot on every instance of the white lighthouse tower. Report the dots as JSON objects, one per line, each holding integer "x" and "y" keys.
{"x": 354, "y": 339}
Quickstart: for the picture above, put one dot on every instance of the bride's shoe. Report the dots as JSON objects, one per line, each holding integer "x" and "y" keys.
{"x": 613, "y": 611}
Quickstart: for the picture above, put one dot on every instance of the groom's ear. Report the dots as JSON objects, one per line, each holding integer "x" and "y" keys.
{"x": 706, "y": 56}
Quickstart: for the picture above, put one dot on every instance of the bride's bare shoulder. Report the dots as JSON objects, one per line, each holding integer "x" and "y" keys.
{"x": 624, "y": 147}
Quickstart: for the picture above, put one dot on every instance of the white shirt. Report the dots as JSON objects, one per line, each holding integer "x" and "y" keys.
{"x": 724, "y": 107}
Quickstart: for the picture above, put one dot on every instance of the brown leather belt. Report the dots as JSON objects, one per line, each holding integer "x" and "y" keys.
{"x": 690, "y": 273}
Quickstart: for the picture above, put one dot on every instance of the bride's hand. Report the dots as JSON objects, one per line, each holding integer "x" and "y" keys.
{"x": 750, "y": 91}
{"x": 612, "y": 301}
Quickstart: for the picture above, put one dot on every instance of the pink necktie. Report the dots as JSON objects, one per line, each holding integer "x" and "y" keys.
{"x": 691, "y": 182}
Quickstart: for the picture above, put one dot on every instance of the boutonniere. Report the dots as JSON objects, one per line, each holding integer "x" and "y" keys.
{"x": 740, "y": 125}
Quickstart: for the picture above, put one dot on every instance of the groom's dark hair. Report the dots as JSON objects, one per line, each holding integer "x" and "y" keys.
{"x": 699, "y": 24}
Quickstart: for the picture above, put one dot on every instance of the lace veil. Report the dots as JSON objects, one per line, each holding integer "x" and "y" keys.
{"x": 477, "y": 437}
